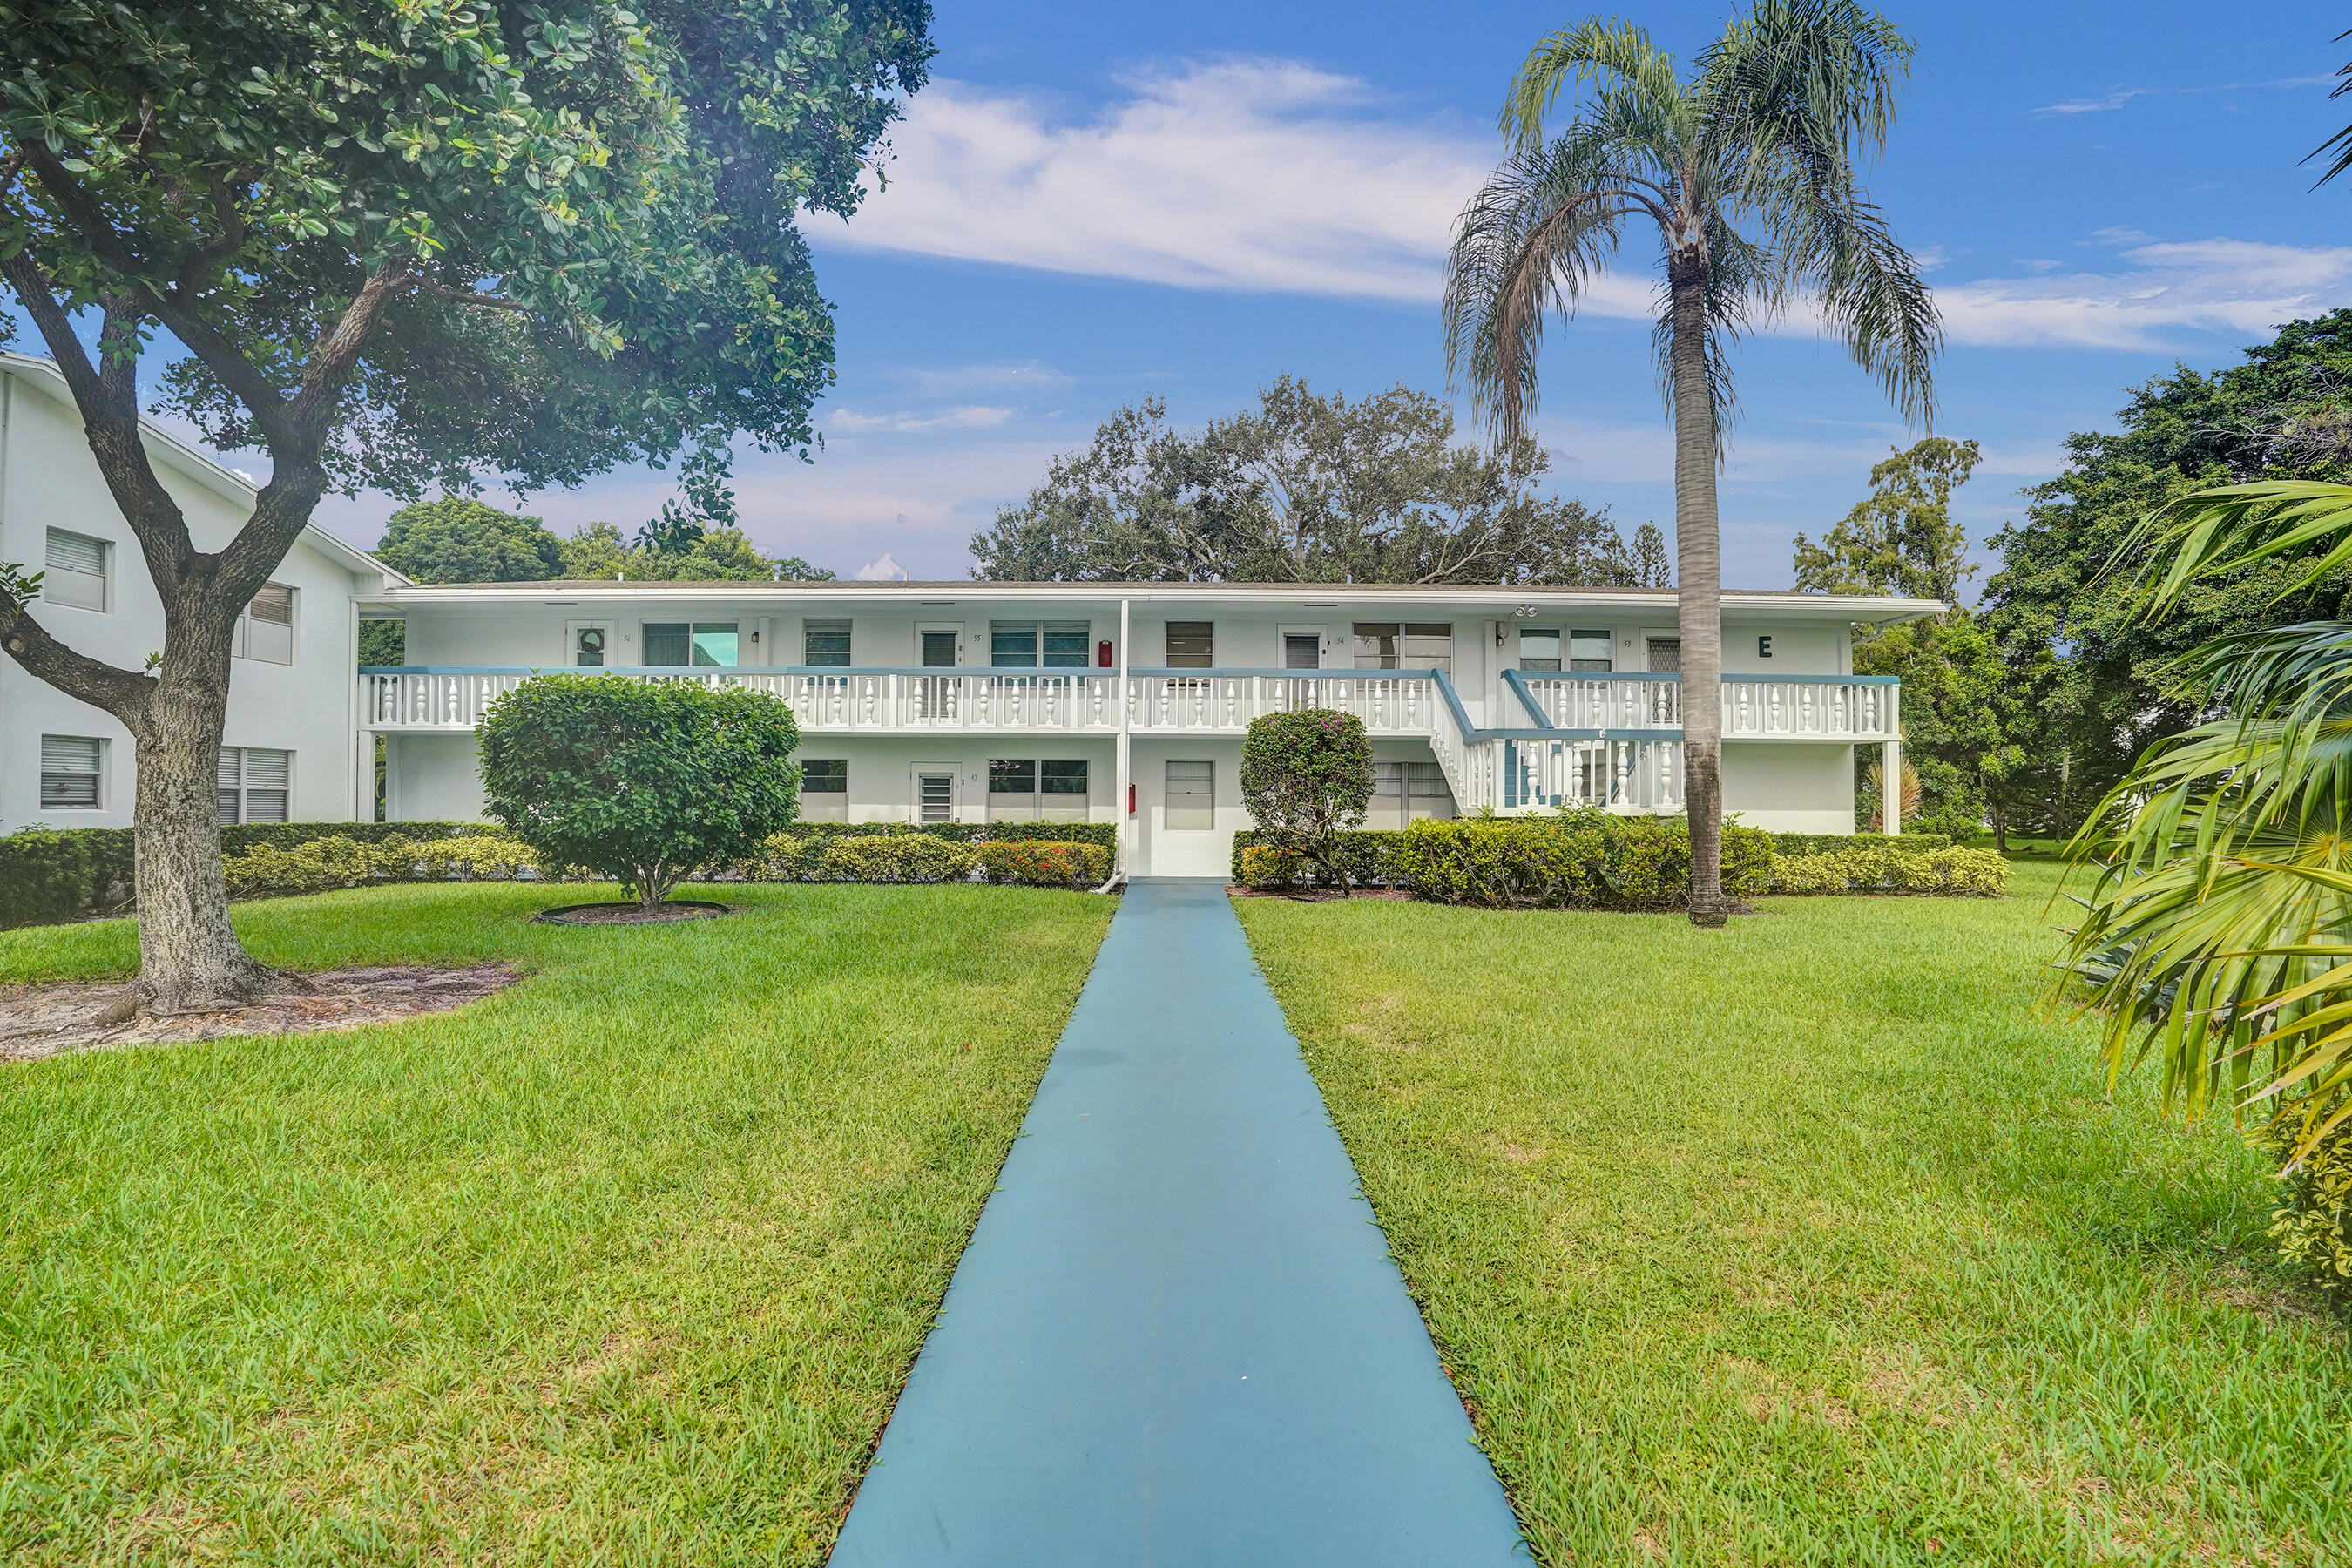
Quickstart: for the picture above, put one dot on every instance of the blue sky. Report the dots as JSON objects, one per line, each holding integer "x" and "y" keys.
{"x": 1093, "y": 203}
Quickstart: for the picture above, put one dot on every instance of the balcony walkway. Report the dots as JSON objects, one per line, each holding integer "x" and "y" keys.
{"x": 1177, "y": 1338}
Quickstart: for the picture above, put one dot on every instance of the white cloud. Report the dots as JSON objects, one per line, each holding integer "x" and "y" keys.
{"x": 949, "y": 379}
{"x": 2242, "y": 286}
{"x": 2116, "y": 98}
{"x": 1252, "y": 175}
{"x": 971, "y": 416}
{"x": 882, "y": 569}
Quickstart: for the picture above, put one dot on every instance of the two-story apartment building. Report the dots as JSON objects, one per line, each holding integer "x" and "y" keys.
{"x": 1128, "y": 702}
{"x": 962, "y": 701}
{"x": 292, "y": 735}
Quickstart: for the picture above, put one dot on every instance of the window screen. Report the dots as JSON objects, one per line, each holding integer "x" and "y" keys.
{"x": 1409, "y": 645}
{"x": 703, "y": 644}
{"x": 74, "y": 573}
{"x": 824, "y": 644}
{"x": 254, "y": 782}
{"x": 1191, "y": 795}
{"x": 1301, "y": 650}
{"x": 1191, "y": 644}
{"x": 70, "y": 773}
{"x": 1027, "y": 645}
{"x": 824, "y": 776}
{"x": 269, "y": 625}
{"x": 1588, "y": 649}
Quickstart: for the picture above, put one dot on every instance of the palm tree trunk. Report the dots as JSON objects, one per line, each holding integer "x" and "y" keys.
{"x": 1698, "y": 575}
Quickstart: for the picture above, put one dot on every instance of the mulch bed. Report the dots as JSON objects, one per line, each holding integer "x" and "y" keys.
{"x": 634, "y": 914}
{"x": 37, "y": 1021}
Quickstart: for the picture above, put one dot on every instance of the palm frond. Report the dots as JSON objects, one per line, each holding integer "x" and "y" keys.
{"x": 1592, "y": 52}
{"x": 2227, "y": 527}
{"x": 1527, "y": 245}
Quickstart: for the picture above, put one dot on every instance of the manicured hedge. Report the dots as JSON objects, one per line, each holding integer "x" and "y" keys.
{"x": 56, "y": 874}
{"x": 1839, "y": 842}
{"x": 1594, "y": 860}
{"x": 48, "y": 874}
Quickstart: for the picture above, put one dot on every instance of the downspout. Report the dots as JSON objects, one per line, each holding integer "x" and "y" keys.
{"x": 1124, "y": 782}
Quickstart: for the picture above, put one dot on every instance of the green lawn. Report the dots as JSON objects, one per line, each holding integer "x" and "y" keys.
{"x": 1813, "y": 1241}
{"x": 624, "y": 1265}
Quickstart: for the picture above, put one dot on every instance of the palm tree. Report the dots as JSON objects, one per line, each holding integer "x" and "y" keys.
{"x": 2217, "y": 931}
{"x": 1748, "y": 169}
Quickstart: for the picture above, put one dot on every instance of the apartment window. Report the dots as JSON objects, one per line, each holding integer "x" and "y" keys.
{"x": 72, "y": 772}
{"x": 266, "y": 630}
{"x": 74, "y": 572}
{"x": 1588, "y": 650}
{"x": 1191, "y": 794}
{"x": 824, "y": 644}
{"x": 1540, "y": 649}
{"x": 700, "y": 643}
{"x": 1404, "y": 644}
{"x": 1191, "y": 644}
{"x": 253, "y": 783}
{"x": 939, "y": 649}
{"x": 1051, "y": 790}
{"x": 824, "y": 789}
{"x": 1407, "y": 792}
{"x": 1030, "y": 644}
{"x": 1302, "y": 650}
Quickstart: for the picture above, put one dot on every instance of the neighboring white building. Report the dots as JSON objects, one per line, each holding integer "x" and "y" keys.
{"x": 291, "y": 737}
{"x": 988, "y": 701}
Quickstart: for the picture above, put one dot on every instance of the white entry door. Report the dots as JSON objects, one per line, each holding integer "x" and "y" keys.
{"x": 590, "y": 645}
{"x": 935, "y": 792}
{"x": 1187, "y": 841}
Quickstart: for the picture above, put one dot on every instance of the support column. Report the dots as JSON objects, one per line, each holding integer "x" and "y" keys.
{"x": 1126, "y": 771}
{"x": 1890, "y": 766}
{"x": 1890, "y": 788}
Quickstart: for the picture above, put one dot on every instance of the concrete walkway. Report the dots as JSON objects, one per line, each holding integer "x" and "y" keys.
{"x": 1177, "y": 1338}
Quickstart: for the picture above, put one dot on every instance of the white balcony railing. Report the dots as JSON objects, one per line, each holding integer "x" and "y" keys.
{"x": 922, "y": 701}
{"x": 1615, "y": 776}
{"x": 1844, "y": 707}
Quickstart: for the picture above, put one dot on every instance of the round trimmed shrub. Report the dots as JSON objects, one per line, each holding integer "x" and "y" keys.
{"x": 1306, "y": 778}
{"x": 644, "y": 782}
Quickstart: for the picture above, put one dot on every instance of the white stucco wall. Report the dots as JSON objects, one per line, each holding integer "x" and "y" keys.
{"x": 49, "y": 479}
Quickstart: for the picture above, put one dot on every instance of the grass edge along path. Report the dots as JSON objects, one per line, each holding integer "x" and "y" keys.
{"x": 1814, "y": 1241}
{"x": 626, "y": 1263}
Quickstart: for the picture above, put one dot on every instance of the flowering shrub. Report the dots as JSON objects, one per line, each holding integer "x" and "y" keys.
{"x": 1041, "y": 863}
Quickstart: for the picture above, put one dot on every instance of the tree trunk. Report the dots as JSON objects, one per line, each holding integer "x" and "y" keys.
{"x": 189, "y": 956}
{"x": 1699, "y": 563}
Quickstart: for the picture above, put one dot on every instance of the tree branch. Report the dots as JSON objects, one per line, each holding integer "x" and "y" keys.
{"x": 120, "y": 692}
{"x": 336, "y": 350}
{"x": 468, "y": 297}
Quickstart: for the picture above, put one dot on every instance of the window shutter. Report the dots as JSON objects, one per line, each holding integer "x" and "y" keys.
{"x": 266, "y": 774}
{"x": 69, "y": 773}
{"x": 75, "y": 552}
{"x": 75, "y": 571}
{"x": 68, "y": 755}
{"x": 275, "y": 604}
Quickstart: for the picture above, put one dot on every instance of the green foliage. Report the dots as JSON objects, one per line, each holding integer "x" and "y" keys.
{"x": 2095, "y": 681}
{"x": 1364, "y": 856}
{"x": 458, "y": 539}
{"x": 1787, "y": 844}
{"x": 2313, "y": 1222}
{"x": 1264, "y": 867}
{"x": 1372, "y": 491}
{"x": 596, "y": 553}
{"x": 627, "y": 178}
{"x": 48, "y": 874}
{"x": 382, "y": 644}
{"x": 1042, "y": 863}
{"x": 888, "y": 857}
{"x": 1306, "y": 777}
{"x": 1975, "y": 873}
{"x": 1901, "y": 540}
{"x": 644, "y": 782}
{"x": 1577, "y": 859}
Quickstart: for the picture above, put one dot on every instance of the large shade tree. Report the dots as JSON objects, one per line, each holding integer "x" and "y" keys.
{"x": 396, "y": 246}
{"x": 1748, "y": 169}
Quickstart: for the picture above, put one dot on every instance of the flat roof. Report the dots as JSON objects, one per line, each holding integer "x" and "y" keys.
{"x": 1323, "y": 595}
